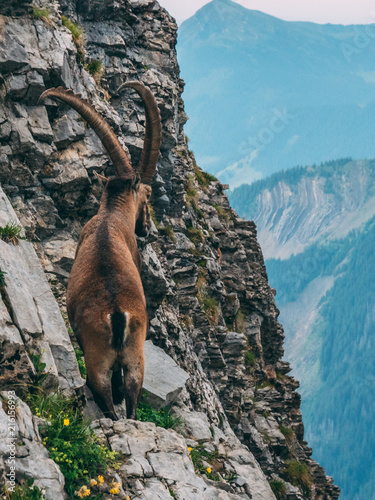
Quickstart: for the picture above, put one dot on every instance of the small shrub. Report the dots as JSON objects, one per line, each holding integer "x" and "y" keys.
{"x": 195, "y": 235}
{"x": 11, "y": 233}
{"x": 279, "y": 489}
{"x": 265, "y": 414}
{"x": 25, "y": 491}
{"x": 161, "y": 418}
{"x": 40, "y": 14}
{"x": 249, "y": 359}
{"x": 298, "y": 474}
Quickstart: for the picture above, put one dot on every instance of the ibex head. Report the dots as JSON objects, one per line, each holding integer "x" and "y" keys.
{"x": 131, "y": 185}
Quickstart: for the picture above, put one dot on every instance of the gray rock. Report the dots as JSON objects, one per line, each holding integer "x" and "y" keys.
{"x": 67, "y": 129}
{"x": 16, "y": 86}
{"x": 163, "y": 379}
{"x": 14, "y": 360}
{"x": 195, "y": 425}
{"x": 36, "y": 87}
{"x": 39, "y": 124}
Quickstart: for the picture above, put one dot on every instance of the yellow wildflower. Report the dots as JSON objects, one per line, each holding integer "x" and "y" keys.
{"x": 190, "y": 449}
{"x": 114, "y": 491}
{"x": 116, "y": 485}
{"x": 209, "y": 470}
{"x": 93, "y": 482}
{"x": 101, "y": 479}
{"x": 83, "y": 492}
{"x": 66, "y": 421}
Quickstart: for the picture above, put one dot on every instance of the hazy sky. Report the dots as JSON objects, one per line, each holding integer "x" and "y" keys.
{"x": 319, "y": 11}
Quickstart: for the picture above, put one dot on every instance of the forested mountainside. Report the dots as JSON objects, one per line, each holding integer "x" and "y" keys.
{"x": 319, "y": 223}
{"x": 265, "y": 94}
{"x": 211, "y": 308}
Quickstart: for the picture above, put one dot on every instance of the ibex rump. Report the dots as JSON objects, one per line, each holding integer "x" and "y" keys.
{"x": 105, "y": 299}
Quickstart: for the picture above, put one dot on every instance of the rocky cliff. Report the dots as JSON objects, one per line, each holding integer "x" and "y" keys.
{"x": 210, "y": 305}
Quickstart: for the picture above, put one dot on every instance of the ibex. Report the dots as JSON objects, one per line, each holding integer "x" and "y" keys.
{"x": 105, "y": 298}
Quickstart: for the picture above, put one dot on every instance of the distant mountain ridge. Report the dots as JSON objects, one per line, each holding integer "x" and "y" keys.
{"x": 316, "y": 227}
{"x": 265, "y": 94}
{"x": 304, "y": 205}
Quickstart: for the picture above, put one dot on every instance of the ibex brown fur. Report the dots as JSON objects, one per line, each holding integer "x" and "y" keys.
{"x": 105, "y": 299}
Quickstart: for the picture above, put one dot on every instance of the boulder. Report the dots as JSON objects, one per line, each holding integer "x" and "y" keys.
{"x": 163, "y": 379}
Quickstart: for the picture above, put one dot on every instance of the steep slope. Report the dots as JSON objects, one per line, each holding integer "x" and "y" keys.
{"x": 210, "y": 305}
{"x": 316, "y": 226}
{"x": 265, "y": 94}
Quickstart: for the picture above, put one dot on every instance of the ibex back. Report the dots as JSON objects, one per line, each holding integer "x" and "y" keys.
{"x": 105, "y": 299}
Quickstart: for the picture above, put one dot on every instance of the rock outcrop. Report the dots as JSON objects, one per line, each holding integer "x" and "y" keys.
{"x": 210, "y": 305}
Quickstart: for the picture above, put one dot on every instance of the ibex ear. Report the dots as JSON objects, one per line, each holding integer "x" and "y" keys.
{"x": 136, "y": 182}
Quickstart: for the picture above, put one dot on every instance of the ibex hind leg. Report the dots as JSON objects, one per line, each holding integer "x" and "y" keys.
{"x": 133, "y": 364}
{"x": 133, "y": 387}
{"x": 99, "y": 383}
{"x": 117, "y": 383}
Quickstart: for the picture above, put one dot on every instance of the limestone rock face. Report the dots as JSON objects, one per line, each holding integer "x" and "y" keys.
{"x": 210, "y": 305}
{"x": 36, "y": 325}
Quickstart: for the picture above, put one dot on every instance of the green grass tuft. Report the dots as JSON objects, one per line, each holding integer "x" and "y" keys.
{"x": 249, "y": 359}
{"x": 203, "y": 178}
{"x": 75, "y": 30}
{"x": 223, "y": 214}
{"x": 168, "y": 232}
{"x": 11, "y": 233}
{"x": 161, "y": 418}
{"x": 95, "y": 68}
{"x": 279, "y": 489}
{"x": 39, "y": 13}
{"x": 287, "y": 432}
{"x": 298, "y": 474}
{"x": 81, "y": 361}
{"x": 195, "y": 235}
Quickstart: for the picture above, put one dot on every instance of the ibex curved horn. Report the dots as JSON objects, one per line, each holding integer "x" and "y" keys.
{"x": 151, "y": 145}
{"x": 99, "y": 125}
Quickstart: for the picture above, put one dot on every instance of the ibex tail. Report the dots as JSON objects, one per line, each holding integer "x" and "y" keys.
{"x": 118, "y": 324}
